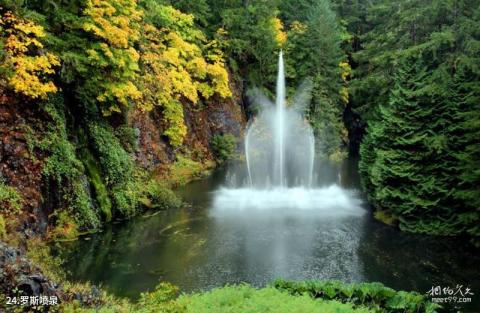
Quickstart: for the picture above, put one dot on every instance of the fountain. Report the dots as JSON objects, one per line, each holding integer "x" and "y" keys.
{"x": 279, "y": 153}
{"x": 279, "y": 143}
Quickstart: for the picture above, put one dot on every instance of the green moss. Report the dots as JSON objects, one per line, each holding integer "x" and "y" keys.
{"x": 10, "y": 199}
{"x": 3, "y": 228}
{"x": 118, "y": 169}
{"x": 223, "y": 146}
{"x": 95, "y": 179}
{"x": 185, "y": 170}
{"x": 128, "y": 137}
{"x": 65, "y": 227}
{"x": 116, "y": 163}
{"x": 159, "y": 196}
{"x": 63, "y": 167}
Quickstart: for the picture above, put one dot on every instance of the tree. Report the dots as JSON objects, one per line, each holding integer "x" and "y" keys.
{"x": 406, "y": 159}
{"x": 252, "y": 36}
{"x": 27, "y": 68}
{"x": 179, "y": 64}
{"x": 313, "y": 51}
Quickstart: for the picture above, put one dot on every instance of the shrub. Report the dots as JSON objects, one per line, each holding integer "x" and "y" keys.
{"x": 375, "y": 296}
{"x": 161, "y": 197}
{"x": 244, "y": 298}
{"x": 223, "y": 146}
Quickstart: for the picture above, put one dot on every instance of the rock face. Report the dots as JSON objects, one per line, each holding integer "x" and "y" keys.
{"x": 19, "y": 167}
{"x": 17, "y": 273}
{"x": 203, "y": 120}
{"x": 23, "y": 124}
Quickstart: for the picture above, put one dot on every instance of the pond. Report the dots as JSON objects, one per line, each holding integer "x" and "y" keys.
{"x": 200, "y": 246}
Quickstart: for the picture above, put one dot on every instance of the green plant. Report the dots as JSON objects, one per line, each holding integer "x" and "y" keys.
{"x": 244, "y": 298}
{"x": 185, "y": 170}
{"x": 374, "y": 296}
{"x": 223, "y": 146}
{"x": 159, "y": 196}
{"x": 3, "y": 227}
{"x": 128, "y": 137}
{"x": 10, "y": 199}
{"x": 65, "y": 227}
{"x": 64, "y": 169}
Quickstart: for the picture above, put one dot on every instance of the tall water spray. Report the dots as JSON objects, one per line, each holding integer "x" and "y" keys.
{"x": 279, "y": 151}
{"x": 279, "y": 143}
{"x": 279, "y": 128}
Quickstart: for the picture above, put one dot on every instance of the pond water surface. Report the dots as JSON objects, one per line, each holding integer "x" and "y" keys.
{"x": 200, "y": 247}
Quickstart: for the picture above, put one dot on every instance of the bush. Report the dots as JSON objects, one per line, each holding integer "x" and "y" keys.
{"x": 375, "y": 296}
{"x": 223, "y": 146}
{"x": 161, "y": 197}
{"x": 244, "y": 298}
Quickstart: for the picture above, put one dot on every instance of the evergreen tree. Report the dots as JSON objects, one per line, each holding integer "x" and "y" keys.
{"x": 313, "y": 51}
{"x": 407, "y": 162}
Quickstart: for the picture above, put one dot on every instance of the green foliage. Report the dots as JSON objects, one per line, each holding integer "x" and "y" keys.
{"x": 399, "y": 174}
{"x": 251, "y": 46}
{"x": 128, "y": 137}
{"x": 3, "y": 227}
{"x": 313, "y": 51}
{"x": 95, "y": 179}
{"x": 374, "y": 296}
{"x": 66, "y": 228}
{"x": 10, "y": 199}
{"x": 160, "y": 196}
{"x": 115, "y": 161}
{"x": 185, "y": 170}
{"x": 117, "y": 167}
{"x": 244, "y": 298}
{"x": 223, "y": 146}
{"x": 64, "y": 169}
{"x": 162, "y": 299}
{"x": 420, "y": 154}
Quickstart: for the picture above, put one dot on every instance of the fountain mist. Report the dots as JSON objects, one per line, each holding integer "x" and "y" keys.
{"x": 279, "y": 143}
{"x": 279, "y": 151}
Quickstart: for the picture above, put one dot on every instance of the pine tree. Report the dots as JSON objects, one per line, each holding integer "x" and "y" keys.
{"x": 313, "y": 50}
{"x": 408, "y": 162}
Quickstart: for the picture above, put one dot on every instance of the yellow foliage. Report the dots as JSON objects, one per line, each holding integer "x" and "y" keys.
{"x": 116, "y": 26}
{"x": 112, "y": 21}
{"x": 277, "y": 27}
{"x": 176, "y": 70}
{"x": 29, "y": 69}
{"x": 298, "y": 27}
{"x": 346, "y": 70}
